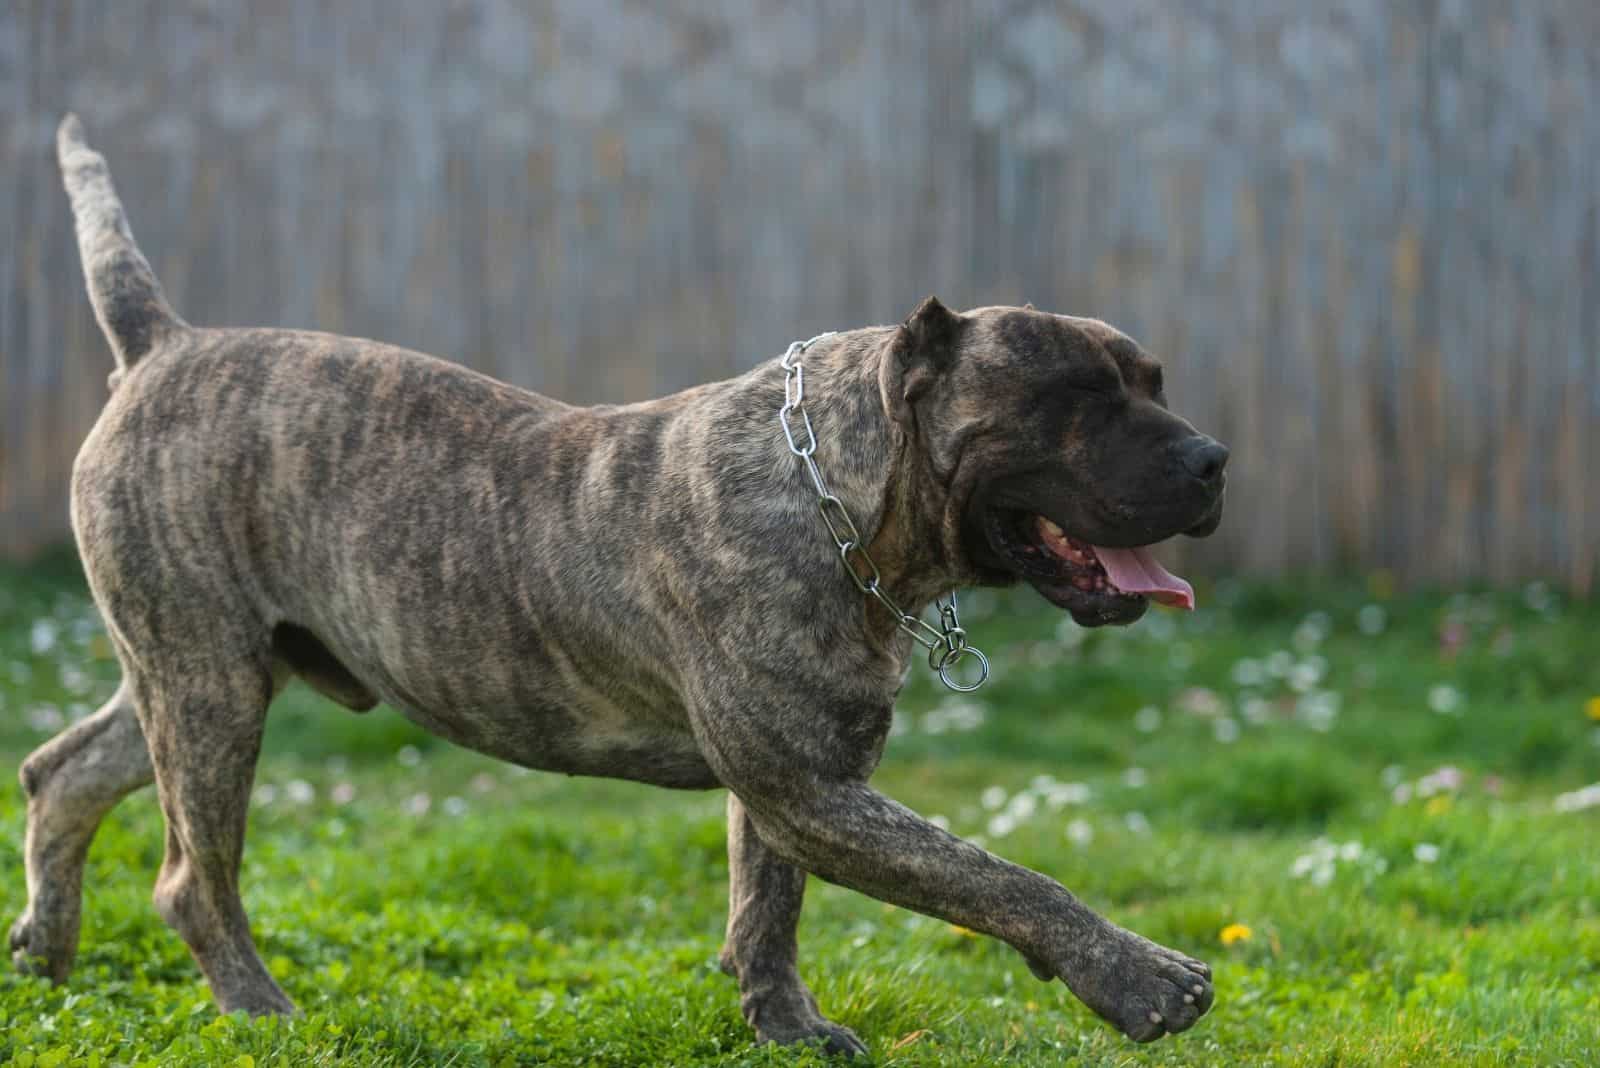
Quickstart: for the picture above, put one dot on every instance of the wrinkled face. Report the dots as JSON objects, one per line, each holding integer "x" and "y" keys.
{"x": 1063, "y": 459}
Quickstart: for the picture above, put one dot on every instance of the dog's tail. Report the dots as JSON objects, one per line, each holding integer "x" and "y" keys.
{"x": 127, "y": 298}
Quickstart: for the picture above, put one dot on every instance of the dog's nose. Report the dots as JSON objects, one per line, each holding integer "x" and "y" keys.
{"x": 1203, "y": 457}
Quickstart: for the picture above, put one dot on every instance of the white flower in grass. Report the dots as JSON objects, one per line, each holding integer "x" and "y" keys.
{"x": 1147, "y": 719}
{"x": 992, "y": 797}
{"x": 1446, "y": 778}
{"x": 1578, "y": 800}
{"x": 42, "y": 638}
{"x": 299, "y": 792}
{"x": 1135, "y": 778}
{"x": 1307, "y": 673}
{"x": 455, "y": 806}
{"x": 342, "y": 794}
{"x": 1001, "y": 824}
{"x": 1318, "y": 710}
{"x": 1279, "y": 662}
{"x": 264, "y": 795}
{"x": 1256, "y": 710}
{"x": 1392, "y": 775}
{"x": 1199, "y": 701}
{"x": 1137, "y": 822}
{"x": 1079, "y": 832}
{"x": 1321, "y": 863}
{"x": 1066, "y": 793}
{"x": 1225, "y": 730}
{"x": 1444, "y": 699}
{"x": 418, "y": 804}
{"x": 1425, "y": 852}
{"x": 1311, "y": 631}
{"x": 1248, "y": 672}
{"x": 941, "y": 822}
{"x": 482, "y": 782}
{"x": 1372, "y": 620}
{"x": 409, "y": 756}
{"x": 1022, "y": 807}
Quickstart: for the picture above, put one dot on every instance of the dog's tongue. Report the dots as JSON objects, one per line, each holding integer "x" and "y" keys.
{"x": 1136, "y": 571}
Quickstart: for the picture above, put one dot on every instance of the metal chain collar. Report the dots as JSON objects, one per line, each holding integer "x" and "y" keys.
{"x": 947, "y": 644}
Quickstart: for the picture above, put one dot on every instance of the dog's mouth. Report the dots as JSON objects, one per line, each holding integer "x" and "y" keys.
{"x": 1096, "y": 583}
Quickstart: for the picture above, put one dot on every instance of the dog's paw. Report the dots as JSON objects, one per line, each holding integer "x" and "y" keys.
{"x": 1143, "y": 989}
{"x": 31, "y": 953}
{"x": 834, "y": 1040}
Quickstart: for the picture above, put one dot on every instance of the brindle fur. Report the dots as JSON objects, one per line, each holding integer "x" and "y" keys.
{"x": 641, "y": 591}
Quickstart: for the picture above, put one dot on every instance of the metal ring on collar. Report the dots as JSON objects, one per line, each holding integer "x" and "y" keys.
{"x": 953, "y": 657}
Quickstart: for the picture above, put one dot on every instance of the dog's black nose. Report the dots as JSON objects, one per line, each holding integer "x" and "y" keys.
{"x": 1203, "y": 457}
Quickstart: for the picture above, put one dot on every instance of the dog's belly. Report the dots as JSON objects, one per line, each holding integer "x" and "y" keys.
{"x": 532, "y": 714}
{"x": 590, "y": 742}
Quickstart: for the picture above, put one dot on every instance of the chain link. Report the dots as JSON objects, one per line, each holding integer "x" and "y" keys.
{"x": 947, "y": 643}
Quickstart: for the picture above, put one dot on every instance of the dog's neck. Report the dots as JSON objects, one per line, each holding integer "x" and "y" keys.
{"x": 879, "y": 469}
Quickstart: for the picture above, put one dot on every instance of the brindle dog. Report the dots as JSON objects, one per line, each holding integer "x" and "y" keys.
{"x": 639, "y": 591}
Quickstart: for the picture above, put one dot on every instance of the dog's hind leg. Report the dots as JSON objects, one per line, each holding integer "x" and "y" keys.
{"x": 764, "y": 896}
{"x": 203, "y": 716}
{"x": 71, "y": 781}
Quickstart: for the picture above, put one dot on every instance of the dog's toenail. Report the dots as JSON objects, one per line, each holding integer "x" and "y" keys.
{"x": 1155, "y": 1017}
{"x": 1188, "y": 999}
{"x": 1198, "y": 989}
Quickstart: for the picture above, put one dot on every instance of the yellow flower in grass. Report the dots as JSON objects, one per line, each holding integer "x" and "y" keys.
{"x": 1591, "y": 708}
{"x": 1235, "y": 932}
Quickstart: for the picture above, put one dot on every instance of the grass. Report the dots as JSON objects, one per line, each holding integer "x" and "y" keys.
{"x": 1373, "y": 795}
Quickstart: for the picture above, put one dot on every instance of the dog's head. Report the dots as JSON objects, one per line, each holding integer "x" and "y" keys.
{"x": 1060, "y": 463}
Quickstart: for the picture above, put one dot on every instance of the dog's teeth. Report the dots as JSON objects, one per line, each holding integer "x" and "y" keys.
{"x": 1051, "y": 529}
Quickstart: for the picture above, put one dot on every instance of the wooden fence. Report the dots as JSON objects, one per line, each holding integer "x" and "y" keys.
{"x": 1362, "y": 234}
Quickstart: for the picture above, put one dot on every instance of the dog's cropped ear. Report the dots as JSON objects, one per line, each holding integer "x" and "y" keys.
{"x": 922, "y": 349}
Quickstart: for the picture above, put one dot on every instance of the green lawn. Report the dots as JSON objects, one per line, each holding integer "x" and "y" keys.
{"x": 1381, "y": 790}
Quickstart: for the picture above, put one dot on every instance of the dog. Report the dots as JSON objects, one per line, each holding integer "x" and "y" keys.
{"x": 639, "y": 591}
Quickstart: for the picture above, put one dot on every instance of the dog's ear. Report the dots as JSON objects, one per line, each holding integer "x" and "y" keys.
{"x": 922, "y": 349}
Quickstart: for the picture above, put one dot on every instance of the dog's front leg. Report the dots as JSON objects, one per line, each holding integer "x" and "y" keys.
{"x": 764, "y": 896}
{"x": 840, "y": 829}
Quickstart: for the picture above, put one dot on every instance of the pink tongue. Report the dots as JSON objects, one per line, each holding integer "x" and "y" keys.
{"x": 1136, "y": 571}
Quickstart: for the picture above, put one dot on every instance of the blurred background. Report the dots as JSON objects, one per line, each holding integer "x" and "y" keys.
{"x": 1363, "y": 235}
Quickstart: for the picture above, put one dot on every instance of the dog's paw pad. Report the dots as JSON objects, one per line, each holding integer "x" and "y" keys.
{"x": 1144, "y": 989}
